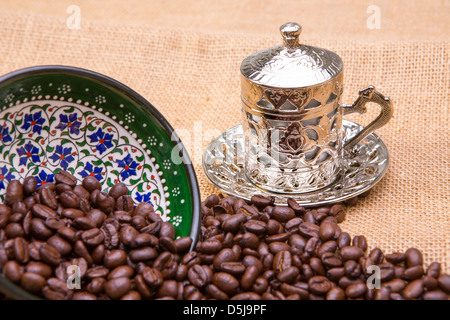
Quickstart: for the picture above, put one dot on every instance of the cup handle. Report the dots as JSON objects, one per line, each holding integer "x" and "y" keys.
{"x": 368, "y": 95}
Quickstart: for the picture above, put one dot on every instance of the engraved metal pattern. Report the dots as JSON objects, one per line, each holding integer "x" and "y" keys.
{"x": 224, "y": 158}
{"x": 291, "y": 65}
{"x": 288, "y": 101}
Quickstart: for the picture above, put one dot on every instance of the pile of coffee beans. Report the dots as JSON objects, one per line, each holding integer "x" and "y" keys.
{"x": 121, "y": 250}
{"x": 260, "y": 251}
{"x": 246, "y": 250}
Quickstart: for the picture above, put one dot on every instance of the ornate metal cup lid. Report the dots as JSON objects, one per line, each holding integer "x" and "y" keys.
{"x": 291, "y": 65}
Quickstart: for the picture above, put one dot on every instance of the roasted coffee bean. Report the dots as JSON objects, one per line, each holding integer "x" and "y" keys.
{"x": 261, "y": 202}
{"x": 233, "y": 223}
{"x": 395, "y": 285}
{"x": 118, "y": 287}
{"x": 32, "y": 282}
{"x": 167, "y": 230}
{"x": 142, "y": 240}
{"x": 80, "y": 249}
{"x": 209, "y": 246}
{"x": 14, "y": 192}
{"x": 111, "y": 236}
{"x": 226, "y": 282}
{"x": 5, "y": 213}
{"x": 336, "y": 293}
{"x": 280, "y": 237}
{"x": 92, "y": 237}
{"x": 356, "y": 290}
{"x": 152, "y": 228}
{"x": 105, "y": 202}
{"x": 352, "y": 269}
{"x": 119, "y": 189}
{"x": 54, "y": 223}
{"x": 42, "y": 211}
{"x": 96, "y": 216}
{"x": 288, "y": 275}
{"x": 12, "y": 271}
{"x": 361, "y": 242}
{"x": 334, "y": 274}
{"x": 200, "y": 276}
{"x": 21, "y": 250}
{"x": 39, "y": 230}
{"x": 387, "y": 271}
{"x": 308, "y": 229}
{"x": 351, "y": 253}
{"x": 29, "y": 186}
{"x": 57, "y": 242}
{"x": 39, "y": 268}
{"x": 329, "y": 246}
{"x": 413, "y": 273}
{"x": 282, "y": 260}
{"x": 274, "y": 227}
{"x": 143, "y": 209}
{"x": 84, "y": 206}
{"x": 67, "y": 233}
{"x": 115, "y": 258}
{"x": 72, "y": 213}
{"x": 167, "y": 244}
{"x": 183, "y": 244}
{"x": 249, "y": 277}
{"x": 152, "y": 276}
{"x": 96, "y": 286}
{"x": 413, "y": 257}
{"x": 255, "y": 226}
{"x": 344, "y": 240}
{"x": 83, "y": 223}
{"x": 48, "y": 198}
{"x": 435, "y": 295}
{"x": 61, "y": 187}
{"x": 430, "y": 283}
{"x": 69, "y": 199}
{"x": 97, "y": 272}
{"x": 125, "y": 203}
{"x": 121, "y": 271}
{"x": 345, "y": 281}
{"x": 98, "y": 254}
{"x": 376, "y": 255}
{"x": 233, "y": 267}
{"x": 434, "y": 270}
{"x": 331, "y": 260}
{"x": 283, "y": 214}
{"x": 413, "y": 290}
{"x": 444, "y": 282}
{"x": 309, "y": 217}
{"x": 319, "y": 285}
{"x": 49, "y": 254}
{"x": 83, "y": 295}
{"x": 299, "y": 210}
{"x": 247, "y": 240}
{"x": 65, "y": 177}
{"x": 143, "y": 254}
{"x": 91, "y": 183}
{"x": 329, "y": 231}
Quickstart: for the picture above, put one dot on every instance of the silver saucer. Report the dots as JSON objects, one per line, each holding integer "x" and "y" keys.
{"x": 223, "y": 163}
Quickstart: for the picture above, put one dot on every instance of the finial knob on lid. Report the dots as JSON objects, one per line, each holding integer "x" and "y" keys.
{"x": 291, "y": 32}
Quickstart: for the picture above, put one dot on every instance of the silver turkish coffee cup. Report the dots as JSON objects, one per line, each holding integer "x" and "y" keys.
{"x": 292, "y": 117}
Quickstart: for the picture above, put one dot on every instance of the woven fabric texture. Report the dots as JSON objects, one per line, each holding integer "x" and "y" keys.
{"x": 191, "y": 76}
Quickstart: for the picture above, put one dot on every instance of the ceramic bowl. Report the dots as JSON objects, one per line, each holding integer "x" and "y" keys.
{"x": 59, "y": 117}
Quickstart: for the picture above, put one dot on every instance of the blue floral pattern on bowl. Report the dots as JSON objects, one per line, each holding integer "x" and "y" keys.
{"x": 42, "y": 137}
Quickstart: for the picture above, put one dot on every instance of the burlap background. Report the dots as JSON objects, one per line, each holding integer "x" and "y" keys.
{"x": 184, "y": 58}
